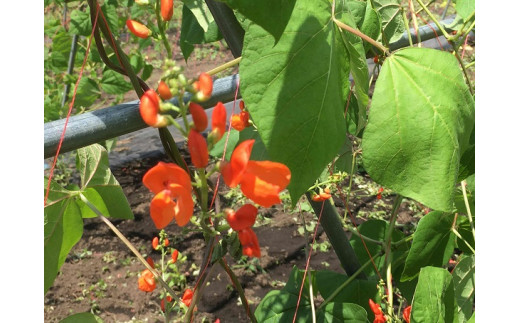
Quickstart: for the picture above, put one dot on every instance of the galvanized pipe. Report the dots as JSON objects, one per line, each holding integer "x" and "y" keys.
{"x": 96, "y": 126}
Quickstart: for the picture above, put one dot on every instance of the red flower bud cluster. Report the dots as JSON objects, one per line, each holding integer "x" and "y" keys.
{"x": 379, "y": 316}
{"x": 323, "y": 196}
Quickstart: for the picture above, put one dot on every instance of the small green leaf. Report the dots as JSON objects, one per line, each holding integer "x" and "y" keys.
{"x": 193, "y": 33}
{"x": 465, "y": 8}
{"x": 147, "y": 71}
{"x": 200, "y": 11}
{"x": 434, "y": 299}
{"x": 464, "y": 283}
{"x": 82, "y": 318}
{"x": 80, "y": 23}
{"x": 92, "y": 162}
{"x": 114, "y": 83}
{"x": 392, "y": 21}
{"x": 63, "y": 227}
{"x": 59, "y": 53}
{"x": 218, "y": 149}
{"x": 344, "y": 161}
{"x": 357, "y": 292}
{"x": 137, "y": 62}
{"x": 433, "y": 244}
{"x": 88, "y": 92}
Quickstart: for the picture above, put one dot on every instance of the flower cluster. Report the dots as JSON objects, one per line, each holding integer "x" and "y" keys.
{"x": 323, "y": 196}
{"x": 241, "y": 221}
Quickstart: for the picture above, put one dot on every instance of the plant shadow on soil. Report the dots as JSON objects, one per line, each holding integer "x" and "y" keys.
{"x": 100, "y": 274}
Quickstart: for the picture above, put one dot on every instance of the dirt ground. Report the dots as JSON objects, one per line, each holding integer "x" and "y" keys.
{"x": 100, "y": 274}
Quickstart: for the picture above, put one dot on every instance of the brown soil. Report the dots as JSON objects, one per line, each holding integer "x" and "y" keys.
{"x": 100, "y": 273}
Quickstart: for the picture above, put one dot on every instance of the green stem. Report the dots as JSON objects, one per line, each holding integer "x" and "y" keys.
{"x": 362, "y": 237}
{"x": 415, "y": 25}
{"x": 461, "y": 238}
{"x": 224, "y": 66}
{"x": 468, "y": 209}
{"x": 388, "y": 237}
{"x": 345, "y": 284}
{"x": 203, "y": 189}
{"x": 358, "y": 33}
{"x": 349, "y": 191}
{"x": 160, "y": 25}
{"x": 461, "y": 63}
{"x": 405, "y": 19}
{"x": 129, "y": 245}
{"x": 238, "y": 288}
{"x": 432, "y": 17}
{"x": 429, "y": 3}
{"x": 331, "y": 223}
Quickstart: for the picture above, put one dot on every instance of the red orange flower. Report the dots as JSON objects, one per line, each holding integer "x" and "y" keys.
{"x": 138, "y": 29}
{"x": 166, "y": 9}
{"x": 169, "y": 299}
{"x": 218, "y": 122}
{"x": 175, "y": 255}
{"x": 378, "y": 313}
{"x": 249, "y": 242}
{"x": 243, "y": 218}
{"x": 204, "y": 87}
{"x": 149, "y": 110}
{"x": 172, "y": 186}
{"x": 146, "y": 281}
{"x": 187, "y": 297}
{"x": 164, "y": 91}
{"x": 379, "y": 191}
{"x": 155, "y": 243}
{"x": 406, "y": 313}
{"x": 198, "y": 149}
{"x": 240, "y": 121}
{"x": 260, "y": 181}
{"x": 200, "y": 119}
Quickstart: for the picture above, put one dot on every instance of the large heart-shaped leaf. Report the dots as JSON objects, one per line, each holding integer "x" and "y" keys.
{"x": 271, "y": 15}
{"x": 419, "y": 125}
{"x": 433, "y": 244}
{"x": 298, "y": 110}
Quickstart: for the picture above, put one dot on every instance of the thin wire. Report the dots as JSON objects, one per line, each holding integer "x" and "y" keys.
{"x": 70, "y": 111}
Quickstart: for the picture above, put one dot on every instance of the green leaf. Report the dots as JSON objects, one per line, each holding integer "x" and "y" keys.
{"x": 433, "y": 244}
{"x": 193, "y": 33}
{"x": 357, "y": 291}
{"x": 420, "y": 122}
{"x": 200, "y": 11}
{"x": 92, "y": 162}
{"x": 114, "y": 83}
{"x": 391, "y": 19}
{"x": 298, "y": 111}
{"x": 465, "y": 8}
{"x": 272, "y": 15}
{"x": 137, "y": 62}
{"x": 472, "y": 318}
{"x": 80, "y": 23}
{"x": 341, "y": 312}
{"x": 375, "y": 230}
{"x": 60, "y": 49}
{"x": 464, "y": 283}
{"x": 344, "y": 161}
{"x": 218, "y": 149}
{"x": 111, "y": 16}
{"x": 82, "y": 318}
{"x": 434, "y": 299}
{"x": 147, "y": 71}
{"x": 63, "y": 227}
{"x": 88, "y": 92}
{"x": 358, "y": 69}
{"x": 259, "y": 151}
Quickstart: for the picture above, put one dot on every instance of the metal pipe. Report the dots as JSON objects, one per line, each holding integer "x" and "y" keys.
{"x": 70, "y": 68}
{"x": 95, "y": 126}
{"x": 92, "y": 127}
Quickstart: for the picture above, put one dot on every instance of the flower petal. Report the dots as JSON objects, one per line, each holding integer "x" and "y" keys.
{"x": 232, "y": 172}
{"x": 146, "y": 281}
{"x": 161, "y": 175}
{"x": 162, "y": 209}
{"x": 244, "y": 218}
{"x": 183, "y": 210}
{"x": 198, "y": 149}
{"x": 264, "y": 180}
{"x": 249, "y": 242}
